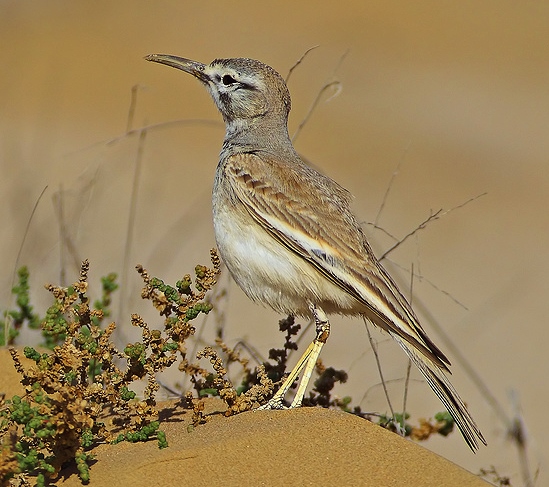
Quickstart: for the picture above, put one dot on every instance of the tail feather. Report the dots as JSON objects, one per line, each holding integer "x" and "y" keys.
{"x": 447, "y": 394}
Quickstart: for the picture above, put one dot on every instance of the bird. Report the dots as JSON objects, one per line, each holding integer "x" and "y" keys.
{"x": 288, "y": 236}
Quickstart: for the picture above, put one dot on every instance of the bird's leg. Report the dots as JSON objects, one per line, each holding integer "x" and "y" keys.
{"x": 307, "y": 362}
{"x": 322, "y": 334}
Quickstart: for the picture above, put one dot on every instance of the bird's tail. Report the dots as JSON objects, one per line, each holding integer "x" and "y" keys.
{"x": 446, "y": 393}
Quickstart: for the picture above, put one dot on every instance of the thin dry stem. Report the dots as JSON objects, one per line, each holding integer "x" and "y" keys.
{"x": 390, "y": 185}
{"x": 378, "y": 362}
{"x": 131, "y": 220}
{"x": 299, "y": 61}
{"x": 327, "y": 85}
{"x": 434, "y": 216}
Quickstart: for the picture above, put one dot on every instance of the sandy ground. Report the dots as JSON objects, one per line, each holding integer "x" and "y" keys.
{"x": 306, "y": 446}
{"x": 454, "y": 94}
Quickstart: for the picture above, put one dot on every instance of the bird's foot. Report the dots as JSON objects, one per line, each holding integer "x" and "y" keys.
{"x": 273, "y": 403}
{"x": 277, "y": 403}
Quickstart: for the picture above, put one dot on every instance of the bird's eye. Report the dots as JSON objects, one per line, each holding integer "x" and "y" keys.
{"x": 228, "y": 80}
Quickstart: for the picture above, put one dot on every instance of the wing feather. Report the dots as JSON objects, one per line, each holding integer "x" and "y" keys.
{"x": 273, "y": 196}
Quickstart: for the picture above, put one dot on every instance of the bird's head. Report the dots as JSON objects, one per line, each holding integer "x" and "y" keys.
{"x": 243, "y": 89}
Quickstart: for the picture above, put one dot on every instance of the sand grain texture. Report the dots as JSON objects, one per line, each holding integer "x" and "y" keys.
{"x": 308, "y": 446}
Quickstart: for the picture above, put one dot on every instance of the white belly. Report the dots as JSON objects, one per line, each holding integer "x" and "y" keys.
{"x": 270, "y": 273}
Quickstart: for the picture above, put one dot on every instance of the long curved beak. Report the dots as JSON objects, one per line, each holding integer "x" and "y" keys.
{"x": 192, "y": 67}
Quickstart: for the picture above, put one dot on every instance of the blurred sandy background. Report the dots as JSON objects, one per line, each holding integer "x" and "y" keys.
{"x": 454, "y": 92}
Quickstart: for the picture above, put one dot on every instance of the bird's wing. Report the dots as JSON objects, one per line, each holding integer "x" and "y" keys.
{"x": 309, "y": 214}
